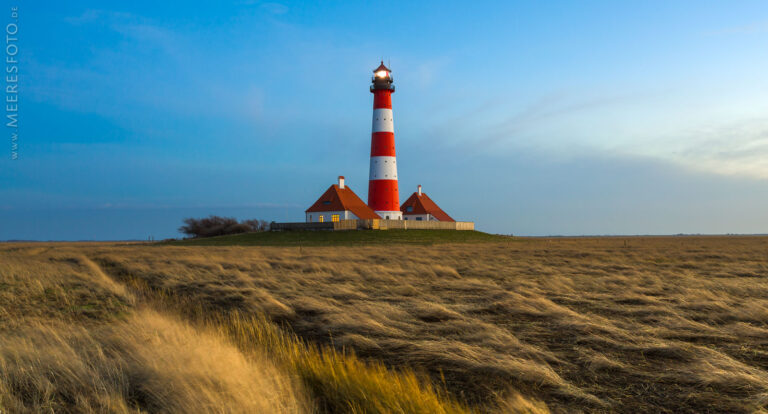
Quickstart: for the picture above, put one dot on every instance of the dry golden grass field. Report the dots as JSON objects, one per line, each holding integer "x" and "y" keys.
{"x": 635, "y": 325}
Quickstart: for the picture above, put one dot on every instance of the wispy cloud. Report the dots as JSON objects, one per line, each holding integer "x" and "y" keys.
{"x": 652, "y": 125}
{"x": 134, "y": 206}
{"x": 497, "y": 122}
{"x": 756, "y": 27}
{"x": 268, "y": 6}
{"x": 148, "y": 67}
{"x": 739, "y": 148}
{"x": 94, "y": 15}
{"x": 554, "y": 106}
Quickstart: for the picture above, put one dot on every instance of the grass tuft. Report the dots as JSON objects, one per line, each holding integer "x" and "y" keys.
{"x": 340, "y": 381}
{"x": 149, "y": 363}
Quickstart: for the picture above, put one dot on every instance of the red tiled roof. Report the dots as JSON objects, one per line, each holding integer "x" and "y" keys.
{"x": 424, "y": 205}
{"x": 340, "y": 199}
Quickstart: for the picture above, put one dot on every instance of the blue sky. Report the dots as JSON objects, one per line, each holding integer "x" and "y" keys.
{"x": 531, "y": 118}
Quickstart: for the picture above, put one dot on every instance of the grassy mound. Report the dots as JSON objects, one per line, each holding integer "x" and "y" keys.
{"x": 349, "y": 238}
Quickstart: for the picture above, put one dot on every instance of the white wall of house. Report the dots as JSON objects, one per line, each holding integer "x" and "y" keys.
{"x": 314, "y": 217}
{"x": 419, "y": 217}
{"x": 390, "y": 215}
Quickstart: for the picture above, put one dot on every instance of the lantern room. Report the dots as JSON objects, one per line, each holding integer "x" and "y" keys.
{"x": 382, "y": 79}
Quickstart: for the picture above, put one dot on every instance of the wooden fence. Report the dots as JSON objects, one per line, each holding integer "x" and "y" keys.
{"x": 375, "y": 224}
{"x": 301, "y": 226}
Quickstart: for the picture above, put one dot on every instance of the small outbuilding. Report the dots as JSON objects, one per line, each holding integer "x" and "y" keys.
{"x": 339, "y": 202}
{"x": 421, "y": 208}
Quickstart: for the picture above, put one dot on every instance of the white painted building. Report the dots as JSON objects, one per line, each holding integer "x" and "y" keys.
{"x": 420, "y": 207}
{"x": 339, "y": 202}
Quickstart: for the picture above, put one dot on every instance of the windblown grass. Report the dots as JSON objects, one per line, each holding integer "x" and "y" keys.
{"x": 341, "y": 381}
{"x": 78, "y": 353}
{"x": 149, "y": 363}
{"x": 670, "y": 325}
{"x": 605, "y": 324}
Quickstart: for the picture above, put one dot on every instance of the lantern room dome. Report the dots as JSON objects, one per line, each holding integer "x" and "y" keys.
{"x": 381, "y": 67}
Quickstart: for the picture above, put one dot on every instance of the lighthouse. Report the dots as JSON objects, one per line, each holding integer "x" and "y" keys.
{"x": 383, "y": 195}
{"x": 339, "y": 208}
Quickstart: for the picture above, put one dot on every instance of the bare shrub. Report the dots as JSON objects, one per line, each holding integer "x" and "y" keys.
{"x": 257, "y": 225}
{"x": 220, "y": 226}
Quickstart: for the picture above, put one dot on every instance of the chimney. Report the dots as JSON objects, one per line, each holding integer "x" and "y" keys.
{"x": 341, "y": 182}
{"x": 419, "y": 189}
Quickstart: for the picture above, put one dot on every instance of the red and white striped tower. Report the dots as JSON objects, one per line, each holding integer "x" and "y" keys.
{"x": 383, "y": 196}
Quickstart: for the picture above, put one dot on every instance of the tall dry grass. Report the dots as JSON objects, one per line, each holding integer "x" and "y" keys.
{"x": 75, "y": 339}
{"x": 670, "y": 325}
{"x": 149, "y": 363}
{"x": 340, "y": 381}
{"x": 596, "y": 325}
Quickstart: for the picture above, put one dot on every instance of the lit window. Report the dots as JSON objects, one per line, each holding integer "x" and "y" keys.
{"x": 321, "y": 219}
{"x": 335, "y": 218}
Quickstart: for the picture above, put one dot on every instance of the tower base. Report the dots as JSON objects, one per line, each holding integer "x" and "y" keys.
{"x": 390, "y": 215}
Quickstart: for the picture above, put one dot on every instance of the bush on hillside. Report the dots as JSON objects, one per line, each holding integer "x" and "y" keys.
{"x": 220, "y": 226}
{"x": 257, "y": 225}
